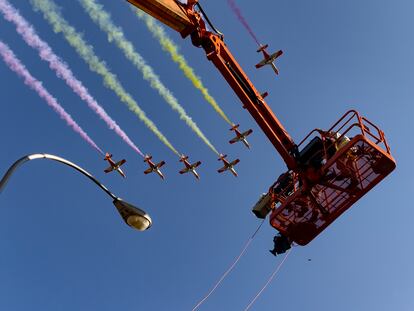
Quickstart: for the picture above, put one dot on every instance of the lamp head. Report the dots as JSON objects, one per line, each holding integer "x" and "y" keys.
{"x": 133, "y": 216}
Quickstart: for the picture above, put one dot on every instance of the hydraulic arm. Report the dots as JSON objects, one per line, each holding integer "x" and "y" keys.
{"x": 328, "y": 171}
{"x": 187, "y": 21}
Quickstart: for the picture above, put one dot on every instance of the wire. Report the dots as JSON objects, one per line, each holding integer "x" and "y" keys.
{"x": 268, "y": 281}
{"x": 229, "y": 269}
{"x": 208, "y": 21}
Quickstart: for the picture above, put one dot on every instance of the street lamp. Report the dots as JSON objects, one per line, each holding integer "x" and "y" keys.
{"x": 133, "y": 216}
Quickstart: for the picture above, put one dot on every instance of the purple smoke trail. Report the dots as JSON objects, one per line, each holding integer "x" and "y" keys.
{"x": 15, "y": 65}
{"x": 239, "y": 15}
{"x": 46, "y": 53}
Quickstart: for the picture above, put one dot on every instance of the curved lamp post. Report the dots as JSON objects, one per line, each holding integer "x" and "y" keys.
{"x": 133, "y": 216}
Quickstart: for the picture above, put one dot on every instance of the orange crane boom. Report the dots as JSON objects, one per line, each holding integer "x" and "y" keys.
{"x": 328, "y": 171}
{"x": 187, "y": 21}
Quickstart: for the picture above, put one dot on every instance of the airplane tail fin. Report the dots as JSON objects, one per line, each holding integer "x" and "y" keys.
{"x": 262, "y": 48}
{"x": 234, "y": 127}
{"x": 222, "y": 156}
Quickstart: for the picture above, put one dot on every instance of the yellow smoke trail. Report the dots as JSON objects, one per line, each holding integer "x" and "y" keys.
{"x": 52, "y": 14}
{"x": 169, "y": 46}
{"x": 116, "y": 34}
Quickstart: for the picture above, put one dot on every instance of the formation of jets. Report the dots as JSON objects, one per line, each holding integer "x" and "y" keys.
{"x": 269, "y": 59}
{"x": 188, "y": 167}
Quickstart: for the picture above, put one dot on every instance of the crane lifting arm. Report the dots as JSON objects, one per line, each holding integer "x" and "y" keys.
{"x": 333, "y": 169}
{"x": 187, "y": 21}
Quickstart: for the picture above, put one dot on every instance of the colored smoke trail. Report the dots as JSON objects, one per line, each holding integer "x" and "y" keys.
{"x": 52, "y": 14}
{"x": 15, "y": 65}
{"x": 30, "y": 36}
{"x": 116, "y": 34}
{"x": 241, "y": 18}
{"x": 169, "y": 46}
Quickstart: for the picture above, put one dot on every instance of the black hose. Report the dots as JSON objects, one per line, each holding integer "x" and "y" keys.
{"x": 208, "y": 20}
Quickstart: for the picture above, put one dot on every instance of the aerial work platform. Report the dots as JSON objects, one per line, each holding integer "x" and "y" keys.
{"x": 336, "y": 168}
{"x": 326, "y": 173}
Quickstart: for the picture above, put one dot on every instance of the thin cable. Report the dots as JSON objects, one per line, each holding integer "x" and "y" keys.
{"x": 208, "y": 21}
{"x": 268, "y": 281}
{"x": 229, "y": 269}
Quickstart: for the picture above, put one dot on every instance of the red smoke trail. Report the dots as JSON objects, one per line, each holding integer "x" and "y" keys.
{"x": 62, "y": 70}
{"x": 239, "y": 15}
{"x": 15, "y": 65}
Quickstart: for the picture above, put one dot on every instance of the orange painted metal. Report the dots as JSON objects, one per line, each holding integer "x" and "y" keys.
{"x": 335, "y": 167}
{"x": 352, "y": 158}
{"x": 217, "y": 52}
{"x": 170, "y": 12}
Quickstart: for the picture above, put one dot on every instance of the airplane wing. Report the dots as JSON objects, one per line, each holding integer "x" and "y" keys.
{"x": 223, "y": 169}
{"x": 247, "y": 133}
{"x": 109, "y": 169}
{"x": 277, "y": 54}
{"x": 184, "y": 170}
{"x": 234, "y": 140}
{"x": 148, "y": 170}
{"x": 119, "y": 163}
{"x": 160, "y": 164}
{"x": 235, "y": 162}
{"x": 262, "y": 63}
{"x": 195, "y": 164}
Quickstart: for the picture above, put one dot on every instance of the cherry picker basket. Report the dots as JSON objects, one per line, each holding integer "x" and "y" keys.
{"x": 336, "y": 168}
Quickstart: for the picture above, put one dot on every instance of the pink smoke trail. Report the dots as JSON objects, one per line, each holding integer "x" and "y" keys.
{"x": 15, "y": 65}
{"x": 239, "y": 15}
{"x": 46, "y": 53}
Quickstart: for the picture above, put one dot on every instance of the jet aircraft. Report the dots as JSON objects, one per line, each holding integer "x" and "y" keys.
{"x": 189, "y": 167}
{"x": 268, "y": 59}
{"x": 153, "y": 167}
{"x": 114, "y": 166}
{"x": 240, "y": 136}
{"x": 228, "y": 166}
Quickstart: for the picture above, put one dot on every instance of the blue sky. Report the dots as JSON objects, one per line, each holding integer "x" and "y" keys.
{"x": 63, "y": 246}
